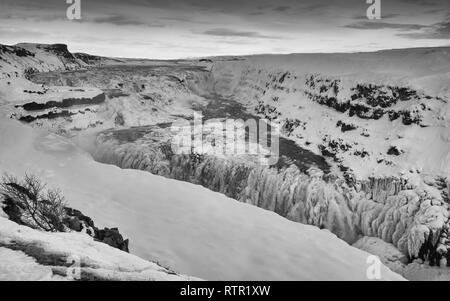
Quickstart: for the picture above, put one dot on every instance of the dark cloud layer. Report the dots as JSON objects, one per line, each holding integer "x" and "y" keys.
{"x": 179, "y": 28}
{"x": 437, "y": 31}
{"x": 224, "y": 32}
{"x": 371, "y": 25}
{"x": 121, "y": 20}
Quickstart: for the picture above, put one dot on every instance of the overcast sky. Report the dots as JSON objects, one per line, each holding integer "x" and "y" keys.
{"x": 189, "y": 28}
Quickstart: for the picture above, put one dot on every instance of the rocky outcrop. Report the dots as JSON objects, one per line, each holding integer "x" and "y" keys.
{"x": 15, "y": 50}
{"x": 87, "y": 58}
{"x": 65, "y": 103}
{"x": 367, "y": 100}
{"x": 50, "y": 115}
{"x": 59, "y": 50}
{"x": 393, "y": 150}
{"x": 345, "y": 127}
{"x": 74, "y": 220}
{"x": 79, "y": 222}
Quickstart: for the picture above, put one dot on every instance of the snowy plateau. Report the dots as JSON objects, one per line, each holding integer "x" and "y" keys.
{"x": 364, "y": 167}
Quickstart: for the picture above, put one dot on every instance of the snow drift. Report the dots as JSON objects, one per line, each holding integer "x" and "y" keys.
{"x": 28, "y": 254}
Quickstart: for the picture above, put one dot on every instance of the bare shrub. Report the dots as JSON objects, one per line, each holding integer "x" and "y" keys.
{"x": 39, "y": 207}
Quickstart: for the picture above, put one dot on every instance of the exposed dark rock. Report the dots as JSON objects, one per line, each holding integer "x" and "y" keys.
{"x": 269, "y": 112}
{"x": 290, "y": 125}
{"x": 119, "y": 119}
{"x": 393, "y": 150}
{"x": 58, "y": 49}
{"x": 361, "y": 153}
{"x": 13, "y": 210}
{"x": 87, "y": 58}
{"x": 19, "y": 51}
{"x": 283, "y": 77}
{"x": 80, "y": 216}
{"x": 325, "y": 152}
{"x": 408, "y": 119}
{"x": 65, "y": 103}
{"x": 49, "y": 115}
{"x": 345, "y": 127}
{"x": 112, "y": 237}
{"x": 28, "y": 72}
{"x": 34, "y": 92}
{"x": 77, "y": 221}
{"x": 368, "y": 101}
{"x": 428, "y": 252}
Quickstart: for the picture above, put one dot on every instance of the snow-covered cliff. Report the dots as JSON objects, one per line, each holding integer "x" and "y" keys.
{"x": 379, "y": 114}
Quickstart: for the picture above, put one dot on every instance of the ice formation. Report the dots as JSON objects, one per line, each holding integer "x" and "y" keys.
{"x": 408, "y": 217}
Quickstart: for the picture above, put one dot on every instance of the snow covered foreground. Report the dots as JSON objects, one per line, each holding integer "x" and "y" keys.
{"x": 27, "y": 254}
{"x": 186, "y": 227}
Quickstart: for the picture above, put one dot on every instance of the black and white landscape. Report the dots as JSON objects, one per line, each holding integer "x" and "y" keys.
{"x": 93, "y": 189}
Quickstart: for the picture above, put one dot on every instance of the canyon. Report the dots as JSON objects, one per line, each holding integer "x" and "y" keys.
{"x": 365, "y": 150}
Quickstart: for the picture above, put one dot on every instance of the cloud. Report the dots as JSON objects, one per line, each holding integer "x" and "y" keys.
{"x": 224, "y": 32}
{"x": 437, "y": 31}
{"x": 121, "y": 20}
{"x": 383, "y": 16}
{"x": 183, "y": 19}
{"x": 315, "y": 6}
{"x": 281, "y": 8}
{"x": 440, "y": 30}
{"x": 421, "y": 2}
{"x": 10, "y": 32}
{"x": 373, "y": 25}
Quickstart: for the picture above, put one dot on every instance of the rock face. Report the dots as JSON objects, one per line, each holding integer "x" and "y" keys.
{"x": 58, "y": 49}
{"x": 18, "y": 51}
{"x": 65, "y": 103}
{"x": 12, "y": 210}
{"x": 113, "y": 238}
{"x": 77, "y": 221}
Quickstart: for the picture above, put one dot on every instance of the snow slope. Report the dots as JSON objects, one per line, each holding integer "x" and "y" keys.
{"x": 186, "y": 227}
{"x": 27, "y": 254}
